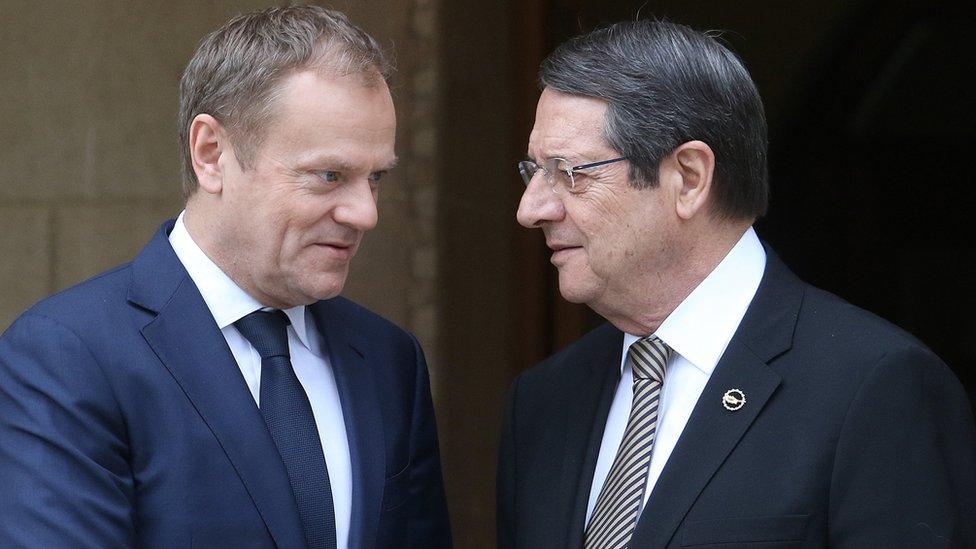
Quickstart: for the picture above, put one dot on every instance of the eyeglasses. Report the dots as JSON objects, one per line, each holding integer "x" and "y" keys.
{"x": 560, "y": 174}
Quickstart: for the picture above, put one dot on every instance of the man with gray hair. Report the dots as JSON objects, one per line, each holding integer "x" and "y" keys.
{"x": 216, "y": 391}
{"x": 726, "y": 402}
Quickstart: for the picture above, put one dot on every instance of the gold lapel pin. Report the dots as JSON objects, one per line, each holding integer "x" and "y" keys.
{"x": 733, "y": 399}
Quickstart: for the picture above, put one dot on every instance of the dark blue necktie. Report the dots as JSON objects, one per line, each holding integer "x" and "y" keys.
{"x": 286, "y": 410}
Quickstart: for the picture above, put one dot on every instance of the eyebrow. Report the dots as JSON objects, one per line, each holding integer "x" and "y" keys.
{"x": 339, "y": 163}
{"x": 574, "y": 158}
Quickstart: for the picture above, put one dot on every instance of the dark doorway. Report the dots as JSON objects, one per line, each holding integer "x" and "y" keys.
{"x": 872, "y": 184}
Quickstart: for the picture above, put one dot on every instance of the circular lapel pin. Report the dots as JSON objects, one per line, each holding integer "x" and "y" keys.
{"x": 733, "y": 399}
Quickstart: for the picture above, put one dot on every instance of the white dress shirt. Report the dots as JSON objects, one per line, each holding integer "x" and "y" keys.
{"x": 698, "y": 330}
{"x": 228, "y": 303}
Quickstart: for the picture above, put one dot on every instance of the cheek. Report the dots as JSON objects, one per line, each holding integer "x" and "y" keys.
{"x": 291, "y": 243}
{"x": 599, "y": 215}
{"x": 294, "y": 225}
{"x": 613, "y": 247}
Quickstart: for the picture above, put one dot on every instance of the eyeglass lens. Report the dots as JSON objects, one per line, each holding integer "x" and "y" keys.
{"x": 557, "y": 171}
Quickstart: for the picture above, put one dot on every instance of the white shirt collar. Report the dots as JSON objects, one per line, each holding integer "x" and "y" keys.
{"x": 227, "y": 302}
{"x": 700, "y": 327}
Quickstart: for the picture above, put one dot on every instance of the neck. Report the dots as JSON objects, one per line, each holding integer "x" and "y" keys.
{"x": 644, "y": 304}
{"x": 202, "y": 228}
{"x": 206, "y": 229}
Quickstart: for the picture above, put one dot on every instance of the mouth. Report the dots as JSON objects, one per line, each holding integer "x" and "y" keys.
{"x": 561, "y": 252}
{"x": 337, "y": 250}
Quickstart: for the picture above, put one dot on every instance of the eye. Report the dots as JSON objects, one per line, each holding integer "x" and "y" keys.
{"x": 330, "y": 176}
{"x": 376, "y": 176}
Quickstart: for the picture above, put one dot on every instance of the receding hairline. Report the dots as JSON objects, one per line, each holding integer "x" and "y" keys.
{"x": 247, "y": 138}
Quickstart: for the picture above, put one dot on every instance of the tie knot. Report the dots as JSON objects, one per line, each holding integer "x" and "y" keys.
{"x": 267, "y": 332}
{"x": 649, "y": 358}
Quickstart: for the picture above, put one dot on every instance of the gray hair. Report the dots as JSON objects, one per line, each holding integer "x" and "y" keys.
{"x": 667, "y": 84}
{"x": 237, "y": 72}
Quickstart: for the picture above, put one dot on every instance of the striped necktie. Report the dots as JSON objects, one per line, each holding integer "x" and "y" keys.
{"x": 615, "y": 514}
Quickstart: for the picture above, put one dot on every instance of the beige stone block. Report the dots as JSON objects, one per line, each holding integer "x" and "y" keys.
{"x": 67, "y": 126}
{"x": 138, "y": 76}
{"x": 25, "y": 271}
{"x": 92, "y": 238}
{"x": 90, "y": 95}
{"x": 380, "y": 275}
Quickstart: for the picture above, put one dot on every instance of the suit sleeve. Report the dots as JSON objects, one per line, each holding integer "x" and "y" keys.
{"x": 505, "y": 481}
{"x": 429, "y": 526}
{"x": 64, "y": 475}
{"x": 905, "y": 467}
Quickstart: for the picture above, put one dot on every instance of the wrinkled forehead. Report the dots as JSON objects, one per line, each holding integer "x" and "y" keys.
{"x": 567, "y": 123}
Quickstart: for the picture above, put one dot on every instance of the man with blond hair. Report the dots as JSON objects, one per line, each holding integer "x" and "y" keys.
{"x": 216, "y": 391}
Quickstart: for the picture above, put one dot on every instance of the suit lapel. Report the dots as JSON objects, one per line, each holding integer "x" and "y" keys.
{"x": 187, "y": 341}
{"x": 361, "y": 414}
{"x": 587, "y": 404}
{"x": 712, "y": 431}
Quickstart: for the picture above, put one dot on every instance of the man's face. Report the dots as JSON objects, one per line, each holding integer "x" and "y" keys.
{"x": 293, "y": 220}
{"x": 608, "y": 236}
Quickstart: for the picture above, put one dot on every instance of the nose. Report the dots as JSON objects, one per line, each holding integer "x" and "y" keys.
{"x": 539, "y": 204}
{"x": 357, "y": 208}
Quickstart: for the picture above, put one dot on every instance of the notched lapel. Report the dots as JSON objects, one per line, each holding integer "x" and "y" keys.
{"x": 359, "y": 397}
{"x": 187, "y": 341}
{"x": 712, "y": 432}
{"x": 710, "y": 435}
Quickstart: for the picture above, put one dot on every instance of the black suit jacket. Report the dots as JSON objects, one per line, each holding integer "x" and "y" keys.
{"x": 125, "y": 421}
{"x": 854, "y": 434}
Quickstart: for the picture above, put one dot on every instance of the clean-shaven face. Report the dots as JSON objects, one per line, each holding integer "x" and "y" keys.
{"x": 295, "y": 217}
{"x": 607, "y": 237}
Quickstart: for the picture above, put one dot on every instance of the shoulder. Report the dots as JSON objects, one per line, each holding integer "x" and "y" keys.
{"x": 83, "y": 307}
{"x": 846, "y": 351}
{"x": 877, "y": 348}
{"x": 815, "y": 325}
{"x": 63, "y": 343}
{"x": 836, "y": 327}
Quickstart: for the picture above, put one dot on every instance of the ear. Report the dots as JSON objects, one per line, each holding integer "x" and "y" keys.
{"x": 694, "y": 165}
{"x": 208, "y": 142}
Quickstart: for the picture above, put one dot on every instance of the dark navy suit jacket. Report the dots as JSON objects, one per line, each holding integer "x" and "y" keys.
{"x": 853, "y": 434}
{"x": 124, "y": 420}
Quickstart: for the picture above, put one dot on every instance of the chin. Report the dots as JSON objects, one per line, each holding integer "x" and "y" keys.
{"x": 579, "y": 287}
{"x": 314, "y": 289}
{"x": 574, "y": 293}
{"x": 327, "y": 291}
